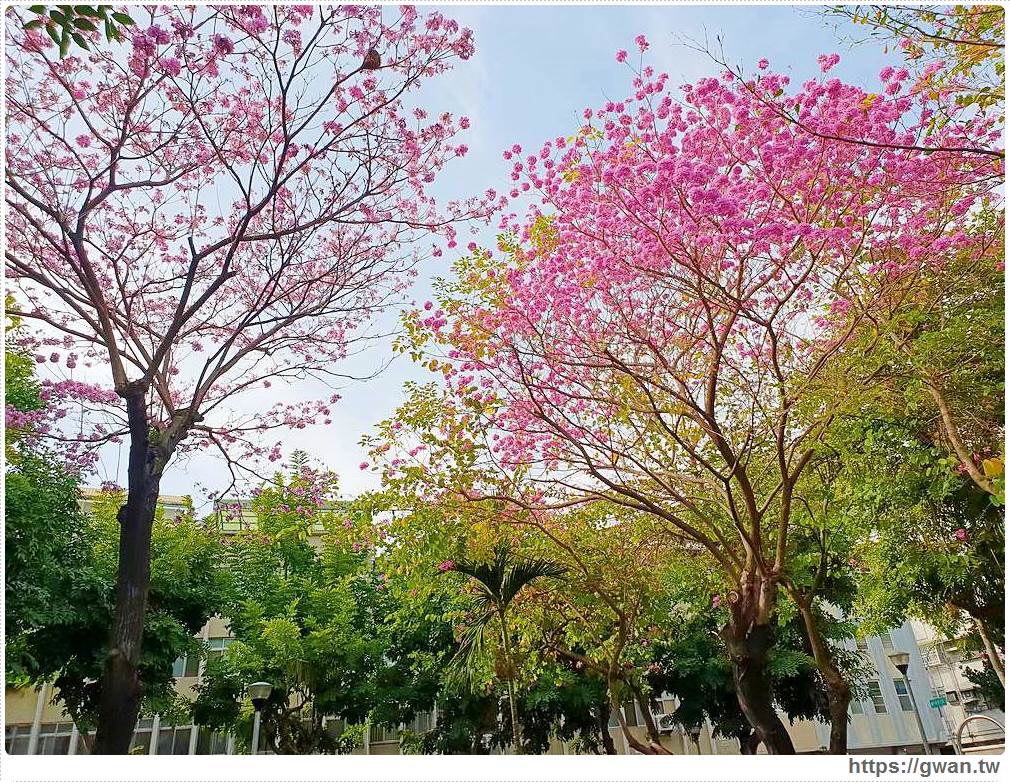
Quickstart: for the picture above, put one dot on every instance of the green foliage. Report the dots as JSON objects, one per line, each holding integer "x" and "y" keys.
{"x": 965, "y": 40}
{"x": 314, "y": 617}
{"x": 65, "y": 23}
{"x": 989, "y": 685}
{"x": 930, "y": 542}
{"x": 498, "y": 583}
{"x": 21, "y": 388}
{"x": 909, "y": 526}
{"x": 48, "y": 541}
{"x": 48, "y": 548}
{"x": 61, "y": 576}
{"x": 68, "y": 559}
{"x": 468, "y": 724}
{"x": 563, "y": 703}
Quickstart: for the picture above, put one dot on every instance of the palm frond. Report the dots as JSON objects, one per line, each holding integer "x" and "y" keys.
{"x": 524, "y": 572}
{"x": 505, "y": 575}
{"x": 466, "y": 664}
{"x": 487, "y": 575}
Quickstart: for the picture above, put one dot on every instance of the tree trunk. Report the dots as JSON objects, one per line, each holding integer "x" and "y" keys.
{"x": 517, "y": 738}
{"x": 991, "y": 651}
{"x": 633, "y": 742}
{"x": 650, "y": 724}
{"x": 839, "y": 692}
{"x": 603, "y": 721}
{"x": 120, "y": 696}
{"x": 749, "y": 742}
{"x": 748, "y": 646}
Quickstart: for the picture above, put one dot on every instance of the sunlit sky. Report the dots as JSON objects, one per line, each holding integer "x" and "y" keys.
{"x": 535, "y": 69}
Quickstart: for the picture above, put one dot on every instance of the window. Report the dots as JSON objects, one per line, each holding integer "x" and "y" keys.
{"x": 931, "y": 656}
{"x": 904, "y": 699}
{"x": 973, "y": 701}
{"x": 216, "y": 647}
{"x": 188, "y": 665}
{"x": 630, "y": 716}
{"x": 229, "y": 521}
{"x": 16, "y": 739}
{"x": 856, "y": 706}
{"x": 877, "y": 697}
{"x": 953, "y": 696}
{"x": 211, "y": 743}
{"x": 142, "y": 737}
{"x": 54, "y": 738}
{"x": 380, "y": 733}
{"x": 173, "y": 740}
{"x": 887, "y": 642}
{"x": 421, "y": 722}
{"x": 85, "y": 741}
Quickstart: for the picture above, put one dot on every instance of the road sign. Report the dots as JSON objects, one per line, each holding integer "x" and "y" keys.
{"x": 936, "y": 703}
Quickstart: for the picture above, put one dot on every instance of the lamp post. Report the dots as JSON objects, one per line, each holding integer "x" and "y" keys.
{"x": 900, "y": 661}
{"x": 259, "y": 692}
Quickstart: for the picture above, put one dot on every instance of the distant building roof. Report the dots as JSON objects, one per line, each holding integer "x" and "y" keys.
{"x": 172, "y": 504}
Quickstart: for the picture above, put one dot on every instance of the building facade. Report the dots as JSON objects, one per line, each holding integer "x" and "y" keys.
{"x": 958, "y": 699}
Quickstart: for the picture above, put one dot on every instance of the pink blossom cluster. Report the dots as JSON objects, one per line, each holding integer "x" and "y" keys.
{"x": 689, "y": 248}
{"x": 321, "y": 176}
{"x": 77, "y": 446}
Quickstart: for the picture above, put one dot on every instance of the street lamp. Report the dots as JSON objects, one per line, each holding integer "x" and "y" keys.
{"x": 259, "y": 692}
{"x": 900, "y": 661}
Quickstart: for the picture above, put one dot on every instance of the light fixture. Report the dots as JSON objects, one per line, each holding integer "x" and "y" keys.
{"x": 259, "y": 692}
{"x": 900, "y": 661}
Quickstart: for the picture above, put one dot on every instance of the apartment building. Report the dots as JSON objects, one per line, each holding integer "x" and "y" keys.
{"x": 885, "y": 722}
{"x": 957, "y": 698}
{"x": 173, "y": 505}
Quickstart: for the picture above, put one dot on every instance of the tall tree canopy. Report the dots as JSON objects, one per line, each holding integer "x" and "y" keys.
{"x": 218, "y": 205}
{"x": 655, "y": 325}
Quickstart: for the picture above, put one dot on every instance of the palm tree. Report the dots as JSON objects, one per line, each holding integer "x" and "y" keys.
{"x": 498, "y": 582}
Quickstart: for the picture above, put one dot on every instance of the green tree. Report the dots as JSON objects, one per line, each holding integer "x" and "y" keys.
{"x": 932, "y": 542}
{"x": 567, "y": 703}
{"x": 499, "y": 581}
{"x": 46, "y": 544}
{"x": 61, "y": 569}
{"x": 315, "y": 613}
{"x": 917, "y": 456}
{"x": 60, "y": 587}
{"x": 303, "y": 617}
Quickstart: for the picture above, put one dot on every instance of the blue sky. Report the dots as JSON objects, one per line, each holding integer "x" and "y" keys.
{"x": 536, "y": 68}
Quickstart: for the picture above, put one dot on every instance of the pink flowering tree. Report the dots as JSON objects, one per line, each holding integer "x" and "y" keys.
{"x": 218, "y": 205}
{"x": 655, "y": 330}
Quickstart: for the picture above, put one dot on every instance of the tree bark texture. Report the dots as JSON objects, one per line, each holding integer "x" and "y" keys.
{"x": 748, "y": 648}
{"x": 121, "y": 688}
